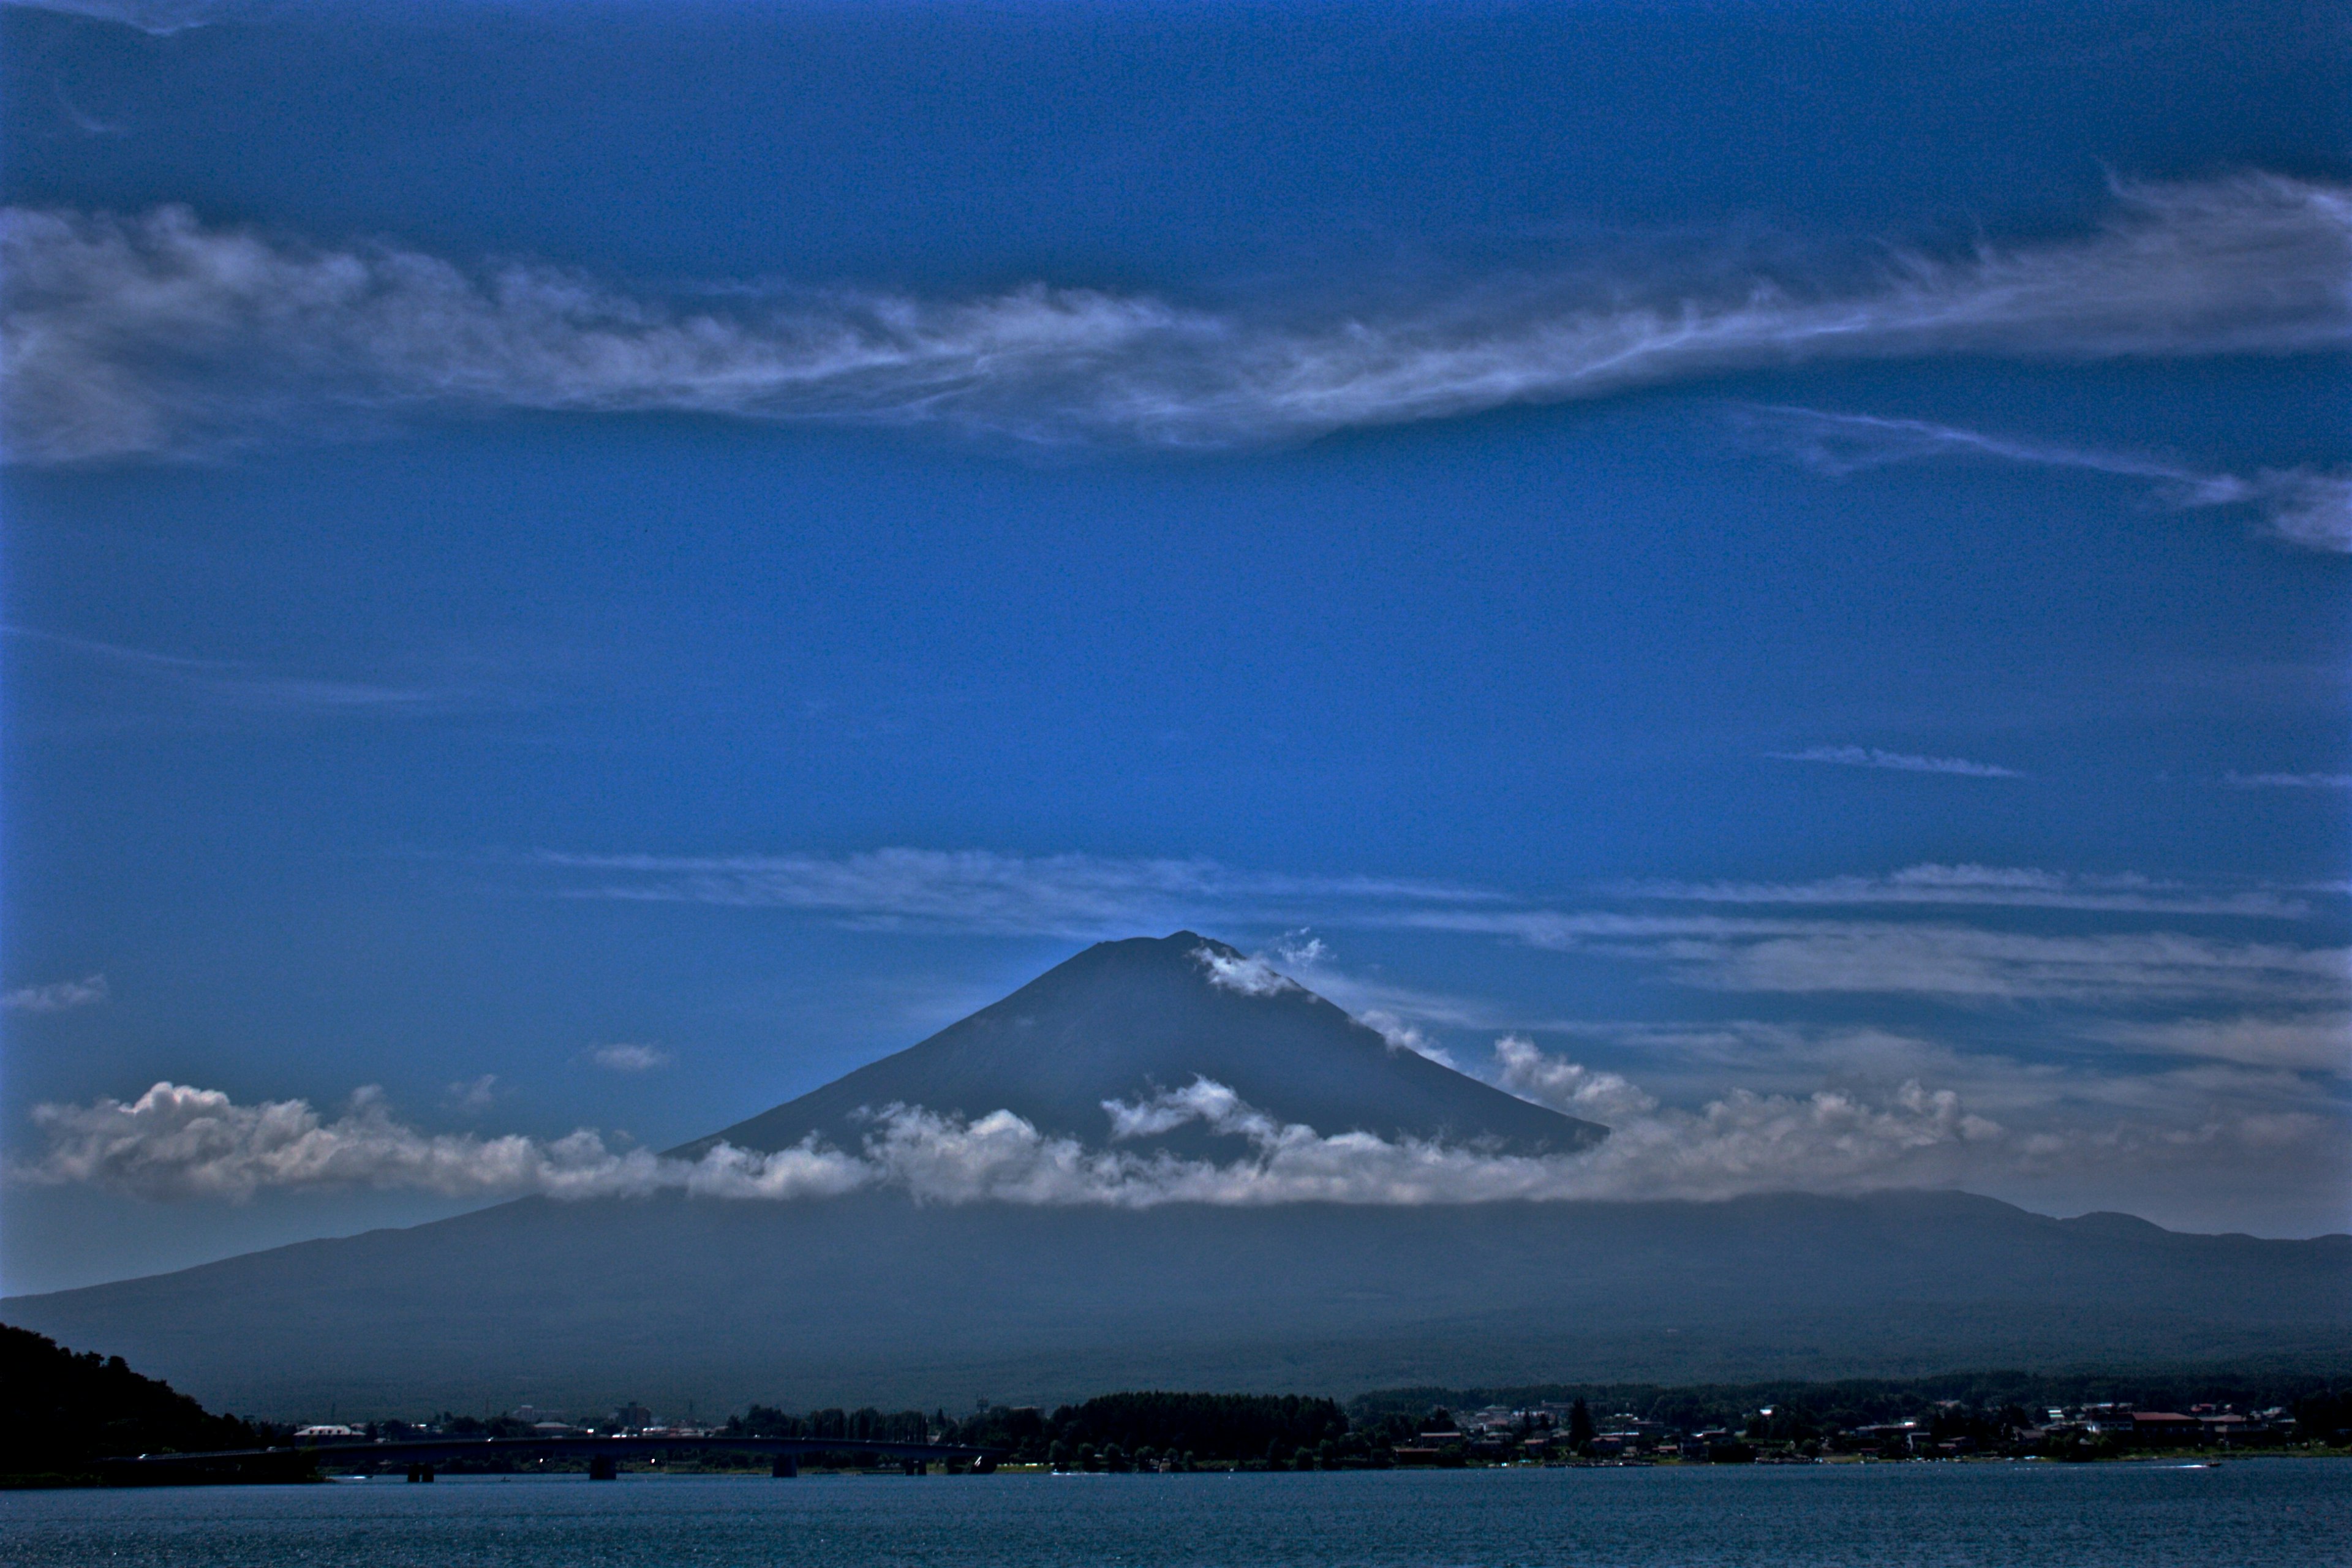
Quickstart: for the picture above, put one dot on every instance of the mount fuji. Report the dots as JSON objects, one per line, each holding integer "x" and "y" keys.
{"x": 874, "y": 1296}
{"x": 1125, "y": 1021}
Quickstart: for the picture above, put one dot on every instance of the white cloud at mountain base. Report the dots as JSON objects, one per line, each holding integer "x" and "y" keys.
{"x": 176, "y": 1142}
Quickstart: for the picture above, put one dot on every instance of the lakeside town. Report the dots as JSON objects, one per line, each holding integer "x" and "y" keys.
{"x": 1546, "y": 1433}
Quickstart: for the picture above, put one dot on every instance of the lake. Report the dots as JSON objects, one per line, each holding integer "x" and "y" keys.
{"x": 2140, "y": 1515}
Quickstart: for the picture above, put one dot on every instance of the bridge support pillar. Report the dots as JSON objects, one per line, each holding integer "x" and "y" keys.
{"x": 786, "y": 1467}
{"x": 420, "y": 1472}
{"x": 602, "y": 1467}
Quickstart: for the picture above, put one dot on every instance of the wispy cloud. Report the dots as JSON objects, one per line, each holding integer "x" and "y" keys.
{"x": 240, "y": 685}
{"x": 1842, "y": 945}
{"x": 980, "y": 890}
{"x": 1898, "y": 761}
{"x": 2291, "y": 780}
{"x": 1960, "y": 964}
{"x": 1963, "y": 964}
{"x": 2308, "y": 506}
{"x": 1248, "y": 977}
{"x": 162, "y": 335}
{"x": 160, "y": 17}
{"x": 1989, "y": 887}
{"x": 57, "y": 996}
{"x": 631, "y": 1058}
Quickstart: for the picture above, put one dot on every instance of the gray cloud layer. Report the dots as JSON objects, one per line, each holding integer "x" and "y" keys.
{"x": 159, "y": 334}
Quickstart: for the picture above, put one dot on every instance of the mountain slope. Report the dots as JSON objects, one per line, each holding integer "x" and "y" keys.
{"x": 873, "y": 1298}
{"x": 1124, "y": 1020}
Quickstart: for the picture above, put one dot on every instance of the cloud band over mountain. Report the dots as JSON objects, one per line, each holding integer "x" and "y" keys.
{"x": 177, "y": 1141}
{"x": 162, "y": 335}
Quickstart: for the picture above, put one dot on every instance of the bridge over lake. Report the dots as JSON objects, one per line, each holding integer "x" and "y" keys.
{"x": 421, "y": 1457}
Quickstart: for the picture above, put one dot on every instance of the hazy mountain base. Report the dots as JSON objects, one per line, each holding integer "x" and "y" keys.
{"x": 871, "y": 1299}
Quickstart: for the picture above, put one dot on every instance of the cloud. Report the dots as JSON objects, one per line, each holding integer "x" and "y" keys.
{"x": 1249, "y": 976}
{"x": 986, "y": 891}
{"x": 474, "y": 1096}
{"x": 1404, "y": 1036}
{"x": 1955, "y": 962}
{"x": 158, "y": 334}
{"x": 57, "y": 996}
{"x": 2316, "y": 1041}
{"x": 629, "y": 1057}
{"x": 236, "y": 684}
{"x": 1964, "y": 963}
{"x": 1900, "y": 761}
{"x": 1255, "y": 975}
{"x": 2291, "y": 780}
{"x": 2068, "y": 1078}
{"x": 159, "y": 17}
{"x": 1567, "y": 1087}
{"x": 1792, "y": 952}
{"x": 2190, "y": 1129}
{"x": 180, "y": 1142}
{"x": 177, "y": 1141}
{"x": 1988, "y": 887}
{"x": 975, "y": 890}
{"x": 2303, "y": 506}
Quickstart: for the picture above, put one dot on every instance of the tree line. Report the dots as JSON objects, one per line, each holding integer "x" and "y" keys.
{"x": 61, "y": 1412}
{"x": 1112, "y": 1431}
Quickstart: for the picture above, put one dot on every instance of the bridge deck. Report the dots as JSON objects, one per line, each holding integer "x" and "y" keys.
{"x": 442, "y": 1450}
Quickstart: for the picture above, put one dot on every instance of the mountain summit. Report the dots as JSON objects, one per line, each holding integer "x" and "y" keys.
{"x": 1125, "y": 1021}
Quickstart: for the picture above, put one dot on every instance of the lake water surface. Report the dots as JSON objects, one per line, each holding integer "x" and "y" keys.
{"x": 2263, "y": 1512}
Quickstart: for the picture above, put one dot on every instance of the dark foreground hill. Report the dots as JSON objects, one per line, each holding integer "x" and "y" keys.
{"x": 59, "y": 1412}
{"x": 872, "y": 1297}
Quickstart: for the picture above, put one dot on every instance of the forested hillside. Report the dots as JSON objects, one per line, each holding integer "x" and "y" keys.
{"x": 59, "y": 1412}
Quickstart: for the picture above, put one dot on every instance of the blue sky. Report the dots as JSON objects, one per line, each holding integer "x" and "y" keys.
{"x": 600, "y": 566}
